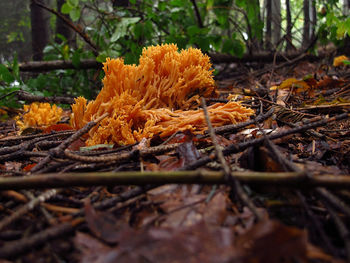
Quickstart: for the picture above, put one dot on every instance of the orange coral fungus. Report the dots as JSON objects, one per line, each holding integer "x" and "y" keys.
{"x": 39, "y": 115}
{"x": 339, "y": 61}
{"x": 140, "y": 99}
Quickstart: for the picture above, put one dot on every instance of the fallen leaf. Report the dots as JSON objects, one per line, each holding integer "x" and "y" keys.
{"x": 103, "y": 225}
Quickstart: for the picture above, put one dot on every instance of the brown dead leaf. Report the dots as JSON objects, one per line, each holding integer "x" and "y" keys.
{"x": 271, "y": 242}
{"x": 94, "y": 251}
{"x": 104, "y": 225}
{"x": 329, "y": 83}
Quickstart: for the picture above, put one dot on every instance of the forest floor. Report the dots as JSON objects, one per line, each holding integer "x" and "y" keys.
{"x": 273, "y": 189}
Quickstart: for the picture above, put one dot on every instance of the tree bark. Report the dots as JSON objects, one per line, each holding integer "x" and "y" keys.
{"x": 306, "y": 27}
{"x": 255, "y": 28}
{"x": 276, "y": 21}
{"x": 289, "y": 36}
{"x": 313, "y": 20}
{"x": 62, "y": 28}
{"x": 40, "y": 30}
{"x": 268, "y": 34}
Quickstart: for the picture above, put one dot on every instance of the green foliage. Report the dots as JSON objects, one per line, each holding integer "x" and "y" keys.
{"x": 72, "y": 8}
{"x": 334, "y": 25}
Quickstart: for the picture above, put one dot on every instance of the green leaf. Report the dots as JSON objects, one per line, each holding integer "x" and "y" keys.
{"x": 233, "y": 47}
{"x": 5, "y": 74}
{"x": 133, "y": 2}
{"x": 210, "y": 4}
{"x": 240, "y": 3}
{"x": 101, "y": 58}
{"x": 15, "y": 68}
{"x": 162, "y": 6}
{"x": 238, "y": 48}
{"x": 122, "y": 27}
{"x": 138, "y": 30}
{"x": 130, "y": 58}
{"x": 65, "y": 9}
{"x": 96, "y": 147}
{"x": 176, "y": 3}
{"x": 203, "y": 43}
{"x": 76, "y": 59}
{"x": 73, "y": 3}
{"x": 74, "y": 14}
{"x": 193, "y": 30}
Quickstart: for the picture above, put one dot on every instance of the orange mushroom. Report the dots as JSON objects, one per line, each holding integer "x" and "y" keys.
{"x": 158, "y": 96}
{"x": 39, "y": 115}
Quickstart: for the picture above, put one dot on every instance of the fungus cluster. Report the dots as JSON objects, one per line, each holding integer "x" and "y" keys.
{"x": 159, "y": 96}
{"x": 39, "y": 115}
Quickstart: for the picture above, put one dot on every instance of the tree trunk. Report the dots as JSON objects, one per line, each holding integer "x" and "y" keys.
{"x": 63, "y": 29}
{"x": 40, "y": 29}
{"x": 268, "y": 34}
{"x": 289, "y": 37}
{"x": 256, "y": 27}
{"x": 276, "y": 21}
{"x": 306, "y": 27}
{"x": 313, "y": 20}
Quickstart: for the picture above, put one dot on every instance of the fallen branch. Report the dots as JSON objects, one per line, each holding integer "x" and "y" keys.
{"x": 26, "y": 96}
{"x": 59, "y": 64}
{"x": 215, "y": 58}
{"x": 286, "y": 179}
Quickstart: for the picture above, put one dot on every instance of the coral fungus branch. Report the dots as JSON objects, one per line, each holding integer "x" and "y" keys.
{"x": 158, "y": 96}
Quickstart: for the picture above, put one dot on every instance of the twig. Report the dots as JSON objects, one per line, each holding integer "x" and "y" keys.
{"x": 18, "y": 247}
{"x": 244, "y": 145}
{"x": 118, "y": 157}
{"x": 327, "y": 196}
{"x": 13, "y": 140}
{"x": 198, "y": 15}
{"x": 57, "y": 151}
{"x": 236, "y": 127}
{"x": 59, "y": 64}
{"x": 289, "y": 179}
{"x": 227, "y": 171}
{"x": 23, "y": 95}
{"x": 71, "y": 25}
{"x": 27, "y": 207}
{"x": 316, "y": 223}
{"x": 333, "y": 200}
{"x": 342, "y": 229}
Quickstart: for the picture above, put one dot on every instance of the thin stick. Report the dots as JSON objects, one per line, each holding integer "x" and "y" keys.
{"x": 317, "y": 224}
{"x": 285, "y": 179}
{"x": 236, "y": 148}
{"x": 71, "y": 25}
{"x": 118, "y": 157}
{"x": 18, "y": 247}
{"x": 342, "y": 229}
{"x": 27, "y": 207}
{"x": 333, "y": 200}
{"x": 57, "y": 151}
{"x": 236, "y": 127}
{"x": 227, "y": 171}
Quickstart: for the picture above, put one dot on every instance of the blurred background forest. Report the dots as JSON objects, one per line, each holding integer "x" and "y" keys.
{"x": 55, "y": 47}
